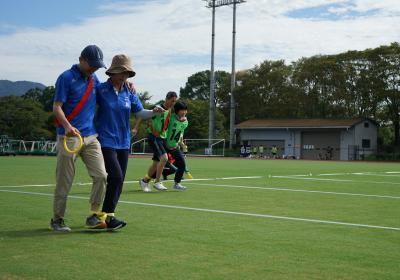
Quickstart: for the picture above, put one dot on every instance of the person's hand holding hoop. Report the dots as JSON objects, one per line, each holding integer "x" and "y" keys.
{"x": 72, "y": 132}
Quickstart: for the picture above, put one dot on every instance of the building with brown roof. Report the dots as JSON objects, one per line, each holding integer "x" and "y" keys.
{"x": 336, "y": 139}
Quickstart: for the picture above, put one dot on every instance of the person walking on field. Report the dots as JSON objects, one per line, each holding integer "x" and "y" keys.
{"x": 176, "y": 127}
{"x": 157, "y": 128}
{"x": 174, "y": 143}
{"x": 274, "y": 151}
{"x": 116, "y": 103}
{"x": 261, "y": 151}
{"x": 74, "y": 107}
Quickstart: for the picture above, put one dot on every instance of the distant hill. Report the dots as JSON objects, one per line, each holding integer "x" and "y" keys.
{"x": 17, "y": 88}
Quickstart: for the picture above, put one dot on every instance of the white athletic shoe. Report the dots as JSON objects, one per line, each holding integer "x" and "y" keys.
{"x": 159, "y": 186}
{"x": 179, "y": 187}
{"x": 144, "y": 186}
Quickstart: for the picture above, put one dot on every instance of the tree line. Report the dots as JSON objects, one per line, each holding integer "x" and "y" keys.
{"x": 346, "y": 85}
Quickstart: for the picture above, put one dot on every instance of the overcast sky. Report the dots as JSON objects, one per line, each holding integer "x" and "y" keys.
{"x": 168, "y": 40}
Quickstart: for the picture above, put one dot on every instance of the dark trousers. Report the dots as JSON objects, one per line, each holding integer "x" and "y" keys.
{"x": 168, "y": 170}
{"x": 116, "y": 162}
{"x": 179, "y": 163}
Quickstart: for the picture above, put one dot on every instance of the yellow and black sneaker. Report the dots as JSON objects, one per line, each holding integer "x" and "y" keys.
{"x": 96, "y": 221}
{"x": 114, "y": 224}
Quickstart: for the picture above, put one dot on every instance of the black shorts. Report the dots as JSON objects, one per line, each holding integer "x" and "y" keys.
{"x": 158, "y": 146}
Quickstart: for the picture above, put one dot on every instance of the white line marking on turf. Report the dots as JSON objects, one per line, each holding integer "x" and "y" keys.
{"x": 132, "y": 182}
{"x": 224, "y": 212}
{"x": 213, "y": 179}
{"x": 189, "y": 182}
{"x": 248, "y": 177}
{"x": 23, "y": 186}
{"x": 44, "y": 185}
{"x": 295, "y": 190}
{"x": 231, "y": 178}
{"x": 298, "y": 175}
{"x": 388, "y": 173}
{"x": 333, "y": 174}
{"x": 334, "y": 180}
{"x": 380, "y": 175}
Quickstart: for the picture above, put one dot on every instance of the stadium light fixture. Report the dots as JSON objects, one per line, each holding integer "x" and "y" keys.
{"x": 219, "y": 3}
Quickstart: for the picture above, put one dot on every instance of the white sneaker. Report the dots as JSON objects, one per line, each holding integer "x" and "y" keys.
{"x": 159, "y": 186}
{"x": 144, "y": 186}
{"x": 179, "y": 187}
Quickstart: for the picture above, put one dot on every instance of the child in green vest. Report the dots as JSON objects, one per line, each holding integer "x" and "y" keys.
{"x": 157, "y": 129}
{"x": 174, "y": 142}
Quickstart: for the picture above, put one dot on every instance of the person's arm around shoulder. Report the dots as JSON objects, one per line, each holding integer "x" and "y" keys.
{"x": 145, "y": 114}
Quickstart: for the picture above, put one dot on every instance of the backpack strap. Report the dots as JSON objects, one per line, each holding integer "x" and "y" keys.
{"x": 165, "y": 125}
{"x": 79, "y": 106}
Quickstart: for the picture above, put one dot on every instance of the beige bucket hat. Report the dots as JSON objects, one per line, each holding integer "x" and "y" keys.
{"x": 121, "y": 63}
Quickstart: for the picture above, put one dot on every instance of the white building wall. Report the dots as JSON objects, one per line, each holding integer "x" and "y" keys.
{"x": 346, "y": 140}
{"x": 297, "y": 142}
{"x": 264, "y": 134}
{"x": 370, "y": 133}
{"x": 291, "y": 138}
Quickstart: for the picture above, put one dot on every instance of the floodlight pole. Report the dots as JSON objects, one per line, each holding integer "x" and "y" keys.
{"x": 211, "y": 119}
{"x": 211, "y": 128}
{"x": 233, "y": 81}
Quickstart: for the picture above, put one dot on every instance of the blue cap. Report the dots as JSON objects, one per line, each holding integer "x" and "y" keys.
{"x": 94, "y": 56}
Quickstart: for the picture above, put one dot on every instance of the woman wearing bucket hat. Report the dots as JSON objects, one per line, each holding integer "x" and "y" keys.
{"x": 116, "y": 102}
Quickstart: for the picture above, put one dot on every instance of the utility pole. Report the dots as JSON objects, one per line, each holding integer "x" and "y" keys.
{"x": 211, "y": 128}
{"x": 211, "y": 118}
{"x": 233, "y": 82}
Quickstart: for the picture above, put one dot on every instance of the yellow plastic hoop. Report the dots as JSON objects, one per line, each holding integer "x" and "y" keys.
{"x": 77, "y": 149}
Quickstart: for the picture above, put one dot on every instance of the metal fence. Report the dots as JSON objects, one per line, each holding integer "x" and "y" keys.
{"x": 22, "y": 147}
{"x": 196, "y": 147}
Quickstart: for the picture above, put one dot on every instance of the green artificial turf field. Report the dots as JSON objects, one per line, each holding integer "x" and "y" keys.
{"x": 287, "y": 220}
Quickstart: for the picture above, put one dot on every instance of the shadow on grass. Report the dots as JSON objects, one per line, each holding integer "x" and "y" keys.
{"x": 153, "y": 192}
{"x": 43, "y": 232}
{"x": 132, "y": 191}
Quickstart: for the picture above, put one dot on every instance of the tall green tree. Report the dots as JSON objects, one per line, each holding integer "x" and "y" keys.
{"x": 197, "y": 86}
{"x": 320, "y": 82}
{"x": 198, "y": 120}
{"x": 43, "y": 96}
{"x": 145, "y": 98}
{"x": 389, "y": 73}
{"x": 264, "y": 91}
{"x": 23, "y": 119}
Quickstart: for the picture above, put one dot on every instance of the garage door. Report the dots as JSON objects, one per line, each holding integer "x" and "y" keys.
{"x": 320, "y": 145}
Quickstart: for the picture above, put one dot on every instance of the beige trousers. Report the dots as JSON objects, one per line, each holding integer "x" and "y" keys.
{"x": 65, "y": 172}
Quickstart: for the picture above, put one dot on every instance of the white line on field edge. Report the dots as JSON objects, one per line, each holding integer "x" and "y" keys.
{"x": 131, "y": 182}
{"x": 293, "y": 190}
{"x": 294, "y": 176}
{"x": 334, "y": 180}
{"x": 266, "y": 216}
{"x": 191, "y": 182}
{"x": 358, "y": 173}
